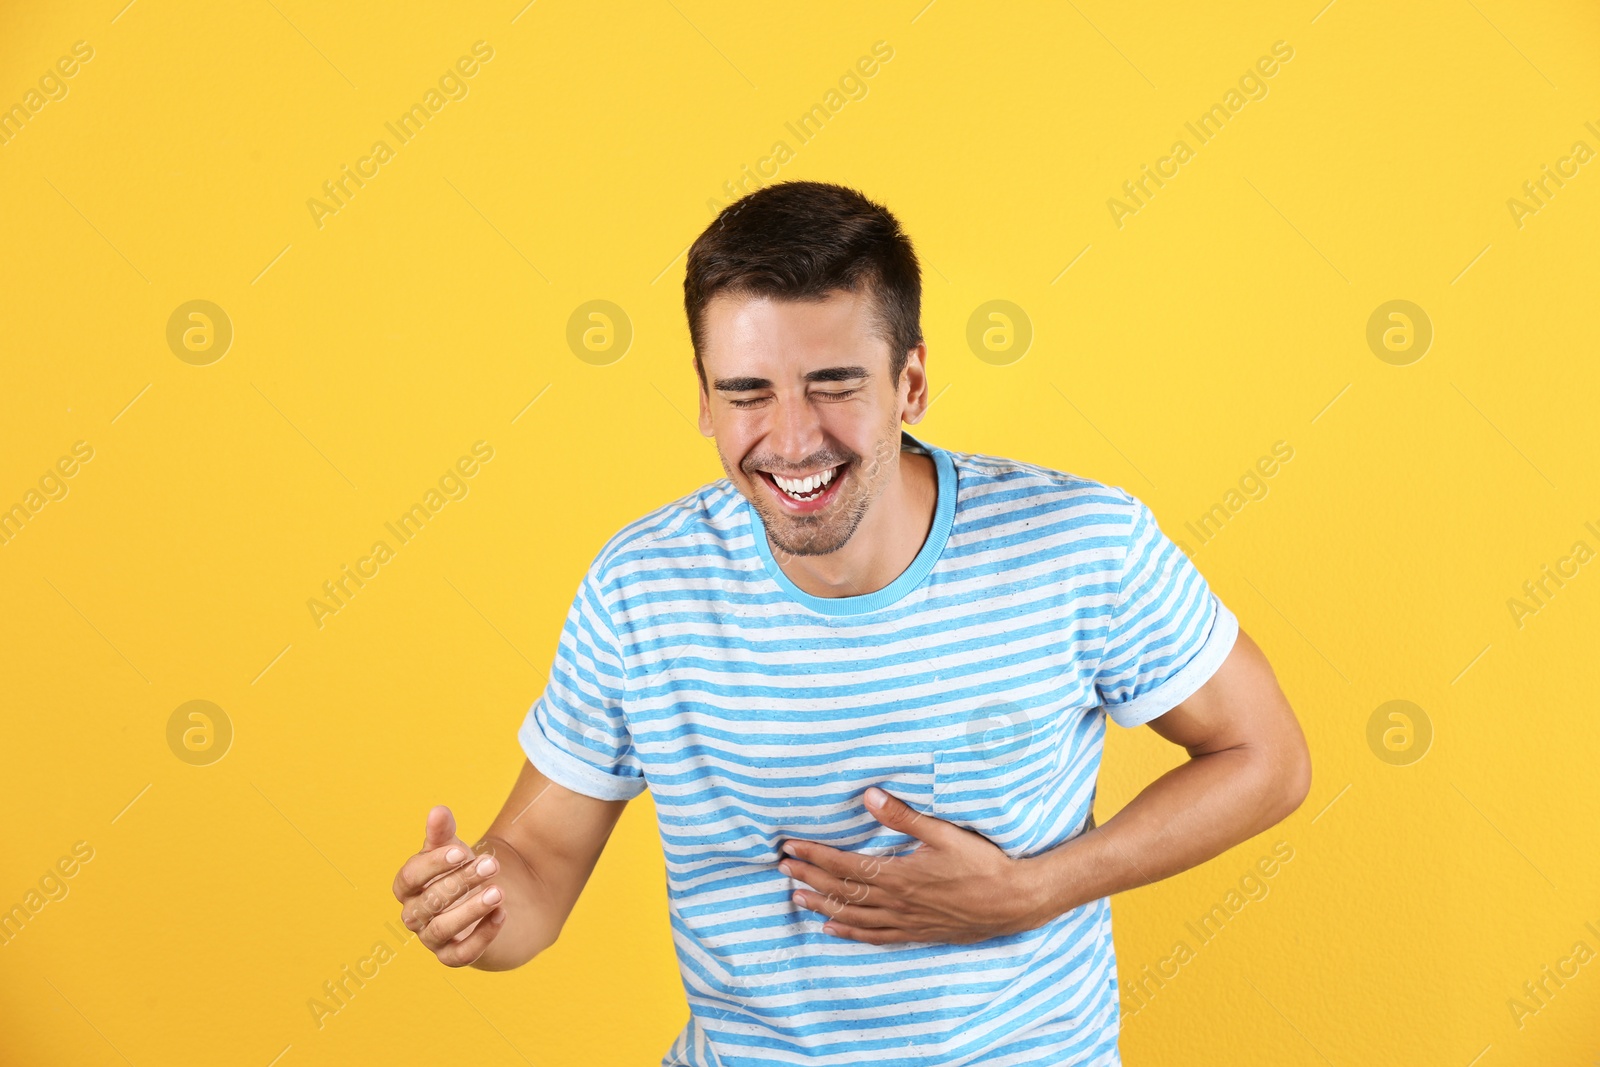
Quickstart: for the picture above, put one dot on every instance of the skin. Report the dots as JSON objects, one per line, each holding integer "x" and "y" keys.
{"x": 796, "y": 387}
{"x": 765, "y": 416}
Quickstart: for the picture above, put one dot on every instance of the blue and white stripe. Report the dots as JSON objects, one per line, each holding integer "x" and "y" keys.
{"x": 975, "y": 687}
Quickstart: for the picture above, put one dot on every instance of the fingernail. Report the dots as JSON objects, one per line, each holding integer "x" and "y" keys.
{"x": 788, "y": 848}
{"x": 785, "y": 868}
{"x": 798, "y": 898}
{"x": 499, "y": 917}
{"x": 491, "y": 895}
{"x": 455, "y": 855}
{"x": 876, "y": 796}
{"x": 486, "y": 866}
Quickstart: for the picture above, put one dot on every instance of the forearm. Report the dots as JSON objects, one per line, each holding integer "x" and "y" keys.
{"x": 532, "y": 918}
{"x": 1195, "y": 811}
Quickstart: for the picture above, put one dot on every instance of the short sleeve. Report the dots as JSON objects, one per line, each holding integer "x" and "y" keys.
{"x": 575, "y": 733}
{"x": 1168, "y": 632}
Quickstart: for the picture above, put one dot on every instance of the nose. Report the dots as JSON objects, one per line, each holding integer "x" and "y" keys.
{"x": 796, "y": 431}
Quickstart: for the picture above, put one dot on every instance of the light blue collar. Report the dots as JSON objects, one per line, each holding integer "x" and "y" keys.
{"x": 944, "y": 514}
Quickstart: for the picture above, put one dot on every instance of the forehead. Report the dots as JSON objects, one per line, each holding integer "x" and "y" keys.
{"x": 742, "y": 329}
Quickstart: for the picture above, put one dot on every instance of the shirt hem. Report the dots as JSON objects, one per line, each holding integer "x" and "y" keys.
{"x": 1175, "y": 690}
{"x": 567, "y": 770}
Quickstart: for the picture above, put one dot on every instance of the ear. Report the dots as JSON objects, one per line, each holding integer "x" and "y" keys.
{"x": 705, "y": 403}
{"x": 914, "y": 384}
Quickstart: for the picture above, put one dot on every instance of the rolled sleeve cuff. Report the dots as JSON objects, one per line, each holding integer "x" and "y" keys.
{"x": 1175, "y": 690}
{"x": 565, "y": 769}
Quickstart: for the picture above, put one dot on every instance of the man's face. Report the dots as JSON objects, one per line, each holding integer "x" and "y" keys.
{"x": 806, "y": 420}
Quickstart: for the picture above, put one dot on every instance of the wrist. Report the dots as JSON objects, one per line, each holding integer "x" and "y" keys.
{"x": 1055, "y": 882}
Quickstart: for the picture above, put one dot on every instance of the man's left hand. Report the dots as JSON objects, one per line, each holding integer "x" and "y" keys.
{"x": 956, "y": 886}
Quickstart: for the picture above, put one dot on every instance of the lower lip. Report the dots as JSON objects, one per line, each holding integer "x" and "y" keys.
{"x": 806, "y": 507}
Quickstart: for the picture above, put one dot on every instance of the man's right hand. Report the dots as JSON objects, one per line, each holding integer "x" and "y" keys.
{"x": 448, "y": 895}
{"x": 499, "y": 908}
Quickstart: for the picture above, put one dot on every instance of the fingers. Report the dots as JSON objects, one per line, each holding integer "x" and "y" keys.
{"x": 839, "y": 863}
{"x": 870, "y": 936}
{"x": 441, "y": 850}
{"x": 460, "y": 953}
{"x": 896, "y": 814}
{"x": 850, "y": 890}
{"x": 440, "y": 932}
{"x": 445, "y": 895}
{"x": 849, "y": 914}
{"x": 424, "y": 867}
{"x": 441, "y": 828}
{"x": 445, "y": 892}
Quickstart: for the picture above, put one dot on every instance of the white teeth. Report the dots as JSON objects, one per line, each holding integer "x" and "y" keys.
{"x": 803, "y": 486}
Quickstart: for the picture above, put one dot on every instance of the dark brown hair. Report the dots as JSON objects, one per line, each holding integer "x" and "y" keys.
{"x": 800, "y": 241}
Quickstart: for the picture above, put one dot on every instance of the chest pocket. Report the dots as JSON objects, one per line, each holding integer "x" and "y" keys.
{"x": 1004, "y": 774}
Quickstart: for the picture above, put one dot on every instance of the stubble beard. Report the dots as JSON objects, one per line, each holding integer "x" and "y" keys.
{"x": 825, "y": 532}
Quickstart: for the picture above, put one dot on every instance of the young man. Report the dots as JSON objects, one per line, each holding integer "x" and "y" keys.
{"x": 866, "y": 681}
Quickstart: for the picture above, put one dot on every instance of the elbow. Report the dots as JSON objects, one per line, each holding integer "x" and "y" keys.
{"x": 1293, "y": 779}
{"x": 542, "y": 940}
{"x": 511, "y": 955}
{"x": 1280, "y": 779}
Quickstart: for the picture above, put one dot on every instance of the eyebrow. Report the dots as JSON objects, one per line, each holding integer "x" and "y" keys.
{"x": 827, "y": 374}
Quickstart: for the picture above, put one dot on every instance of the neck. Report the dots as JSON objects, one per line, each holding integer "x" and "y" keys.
{"x": 891, "y": 534}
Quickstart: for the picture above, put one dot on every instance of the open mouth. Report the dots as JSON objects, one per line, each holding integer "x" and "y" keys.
{"x": 808, "y": 493}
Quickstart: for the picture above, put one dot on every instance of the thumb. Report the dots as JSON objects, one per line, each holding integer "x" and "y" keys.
{"x": 441, "y": 828}
{"x": 896, "y": 814}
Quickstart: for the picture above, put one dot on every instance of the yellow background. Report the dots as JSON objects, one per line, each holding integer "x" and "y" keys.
{"x": 369, "y": 353}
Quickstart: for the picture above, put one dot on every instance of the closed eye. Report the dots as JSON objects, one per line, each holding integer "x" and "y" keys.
{"x": 827, "y": 394}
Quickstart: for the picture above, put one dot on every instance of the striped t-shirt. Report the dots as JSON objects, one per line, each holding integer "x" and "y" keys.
{"x": 975, "y": 687}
